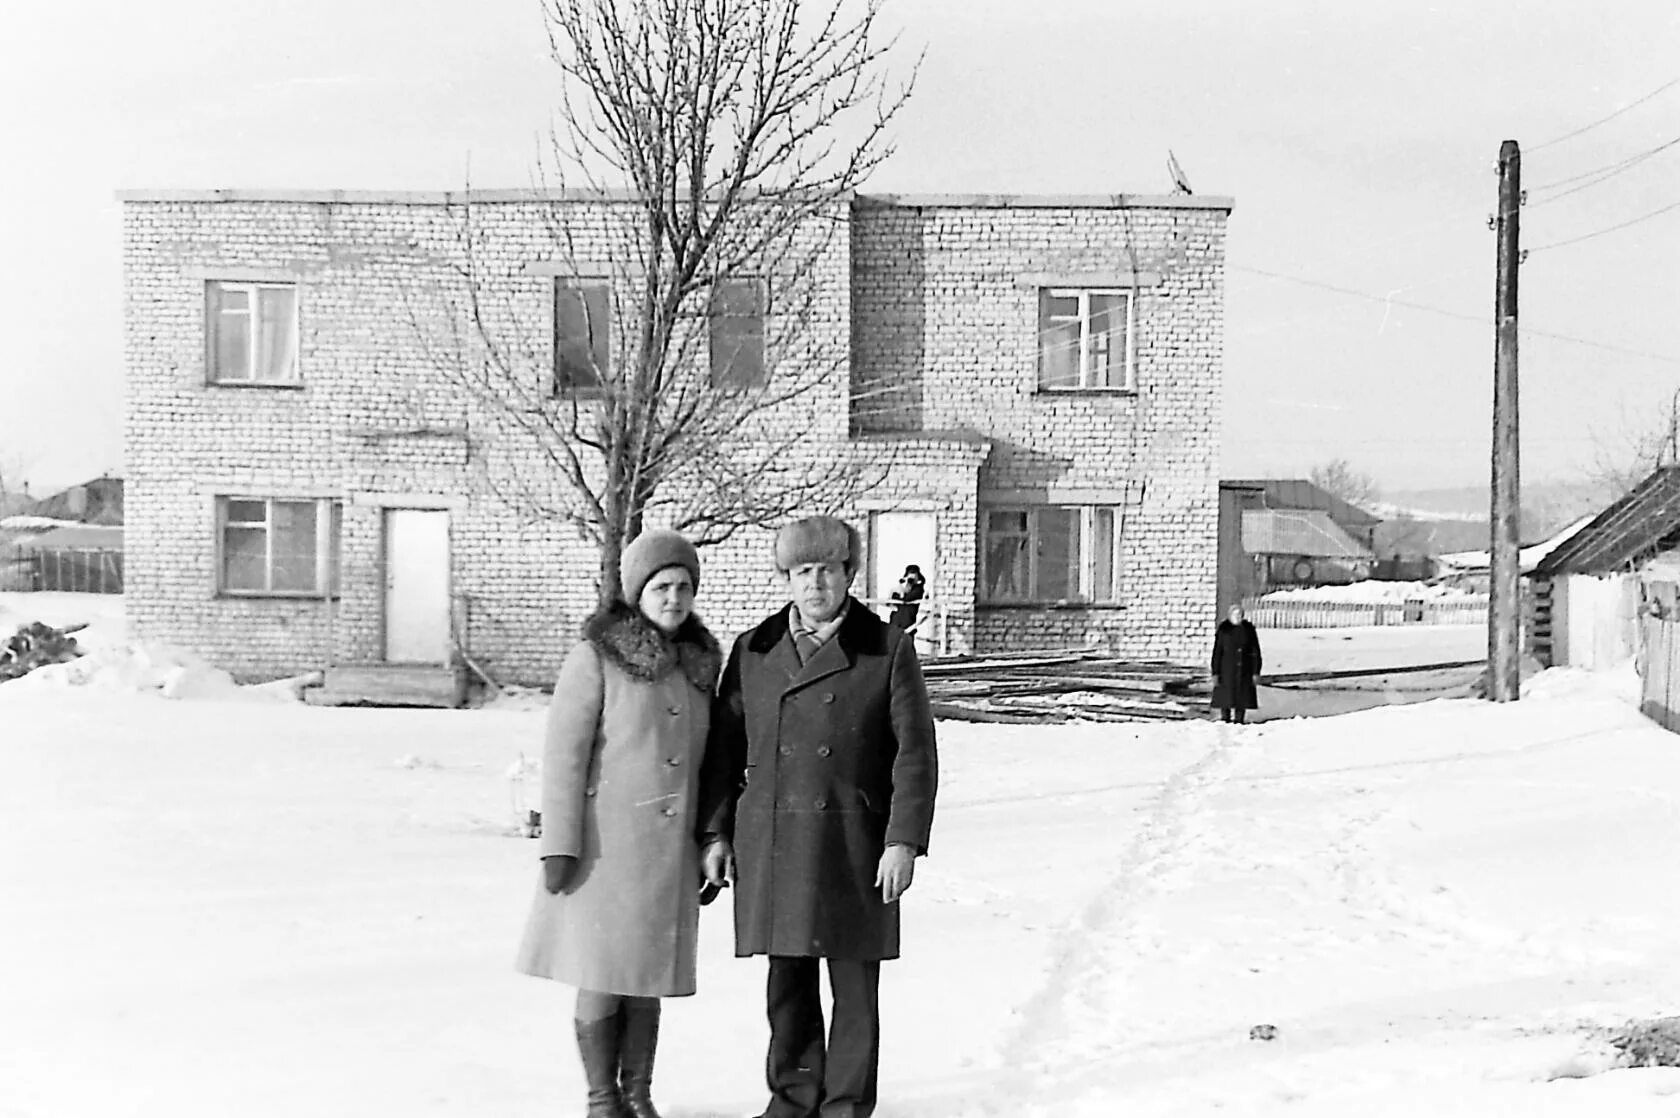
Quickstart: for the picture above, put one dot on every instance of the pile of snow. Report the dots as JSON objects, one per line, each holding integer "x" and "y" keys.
{"x": 115, "y": 664}
{"x": 1370, "y": 591}
{"x": 151, "y": 668}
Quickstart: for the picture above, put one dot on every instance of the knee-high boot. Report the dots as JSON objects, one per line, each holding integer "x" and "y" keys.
{"x": 598, "y": 1047}
{"x": 635, "y": 1069}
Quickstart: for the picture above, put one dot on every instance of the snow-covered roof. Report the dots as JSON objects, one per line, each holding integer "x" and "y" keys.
{"x": 29, "y": 522}
{"x": 1527, "y": 558}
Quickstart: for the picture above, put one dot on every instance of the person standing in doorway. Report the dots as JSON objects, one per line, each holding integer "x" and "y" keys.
{"x": 907, "y": 598}
{"x": 617, "y": 909}
{"x": 1236, "y": 665}
{"x": 817, "y": 799}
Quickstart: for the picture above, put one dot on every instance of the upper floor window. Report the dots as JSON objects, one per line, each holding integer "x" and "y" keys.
{"x": 1085, "y": 339}
{"x": 735, "y": 321}
{"x": 582, "y": 333}
{"x": 253, "y": 332}
{"x": 276, "y": 547}
{"x": 1050, "y": 554}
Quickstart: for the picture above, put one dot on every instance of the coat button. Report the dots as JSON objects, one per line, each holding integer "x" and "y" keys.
{"x": 589, "y": 791}
{"x": 822, "y": 805}
{"x": 824, "y": 751}
{"x": 828, "y": 696}
{"x": 786, "y": 751}
{"x": 668, "y": 812}
{"x": 673, "y": 761}
{"x": 675, "y": 710}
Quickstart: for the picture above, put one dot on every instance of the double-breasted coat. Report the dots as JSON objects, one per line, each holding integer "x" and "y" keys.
{"x": 812, "y": 770}
{"x": 620, "y": 790}
{"x": 1236, "y": 663}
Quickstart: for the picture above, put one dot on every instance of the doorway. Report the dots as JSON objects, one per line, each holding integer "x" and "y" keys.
{"x": 417, "y": 603}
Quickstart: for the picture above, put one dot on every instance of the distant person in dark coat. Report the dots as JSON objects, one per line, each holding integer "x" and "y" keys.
{"x": 817, "y": 798}
{"x": 1236, "y": 665}
{"x": 907, "y": 599}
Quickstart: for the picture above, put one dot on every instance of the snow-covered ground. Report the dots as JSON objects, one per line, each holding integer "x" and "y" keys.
{"x": 214, "y": 907}
{"x": 1369, "y": 590}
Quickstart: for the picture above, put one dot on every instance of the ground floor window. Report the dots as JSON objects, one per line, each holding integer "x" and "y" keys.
{"x": 275, "y": 546}
{"x": 1050, "y": 553}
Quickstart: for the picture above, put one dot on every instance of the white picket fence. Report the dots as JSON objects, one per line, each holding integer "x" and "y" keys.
{"x": 1275, "y": 614}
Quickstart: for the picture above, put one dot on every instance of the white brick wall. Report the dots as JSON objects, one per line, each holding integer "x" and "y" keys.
{"x": 941, "y": 333}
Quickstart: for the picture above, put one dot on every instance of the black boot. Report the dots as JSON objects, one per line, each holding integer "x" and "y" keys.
{"x": 635, "y": 1069}
{"x": 598, "y": 1047}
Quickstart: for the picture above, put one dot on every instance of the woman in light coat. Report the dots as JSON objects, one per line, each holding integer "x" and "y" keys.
{"x": 616, "y": 914}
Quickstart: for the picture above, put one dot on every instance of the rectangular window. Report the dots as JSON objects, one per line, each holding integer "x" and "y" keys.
{"x": 735, "y": 322}
{"x": 277, "y": 547}
{"x": 1051, "y": 553}
{"x": 252, "y": 332}
{"x": 582, "y": 334}
{"x": 1085, "y": 339}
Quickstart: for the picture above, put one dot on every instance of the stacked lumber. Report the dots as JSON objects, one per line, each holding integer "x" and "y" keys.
{"x": 1060, "y": 685}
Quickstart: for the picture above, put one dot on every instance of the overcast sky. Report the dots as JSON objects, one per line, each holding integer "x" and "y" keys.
{"x": 1358, "y": 140}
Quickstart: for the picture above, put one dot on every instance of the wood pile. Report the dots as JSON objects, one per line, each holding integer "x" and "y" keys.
{"x": 1064, "y": 685}
{"x": 36, "y": 645}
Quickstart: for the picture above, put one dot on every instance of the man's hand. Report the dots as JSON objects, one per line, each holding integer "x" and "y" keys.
{"x": 717, "y": 863}
{"x": 559, "y": 872}
{"x": 898, "y": 868}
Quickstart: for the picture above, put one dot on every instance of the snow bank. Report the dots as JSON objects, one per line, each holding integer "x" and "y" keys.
{"x": 1370, "y": 590}
{"x": 143, "y": 668}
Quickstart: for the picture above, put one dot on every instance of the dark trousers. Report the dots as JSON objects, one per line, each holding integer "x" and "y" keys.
{"x": 1225, "y": 713}
{"x": 808, "y": 1077}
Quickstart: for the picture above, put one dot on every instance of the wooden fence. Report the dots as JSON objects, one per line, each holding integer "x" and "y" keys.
{"x": 1284, "y": 614}
{"x": 87, "y": 570}
{"x": 1659, "y": 671}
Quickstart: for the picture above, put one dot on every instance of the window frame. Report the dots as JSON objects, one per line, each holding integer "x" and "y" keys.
{"x": 714, "y": 316}
{"x": 213, "y": 312}
{"x": 561, "y": 384}
{"x": 1087, "y": 369}
{"x": 329, "y": 531}
{"x": 1088, "y": 516}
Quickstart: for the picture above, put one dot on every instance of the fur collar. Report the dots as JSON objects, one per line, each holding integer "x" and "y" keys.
{"x": 621, "y": 634}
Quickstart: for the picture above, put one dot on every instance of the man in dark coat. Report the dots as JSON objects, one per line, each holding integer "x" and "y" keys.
{"x": 1236, "y": 665}
{"x": 816, "y": 799}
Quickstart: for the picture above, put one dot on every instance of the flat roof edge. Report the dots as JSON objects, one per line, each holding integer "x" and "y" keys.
{"x": 539, "y": 194}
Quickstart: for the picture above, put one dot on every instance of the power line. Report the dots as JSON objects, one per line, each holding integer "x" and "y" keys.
{"x": 1460, "y": 315}
{"x": 1602, "y": 174}
{"x": 1607, "y": 118}
{"x": 1611, "y": 229}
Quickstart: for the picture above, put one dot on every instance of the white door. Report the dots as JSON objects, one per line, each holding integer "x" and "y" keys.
{"x": 417, "y": 587}
{"x": 897, "y": 540}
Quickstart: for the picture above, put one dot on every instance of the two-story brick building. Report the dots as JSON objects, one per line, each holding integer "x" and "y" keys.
{"x": 1039, "y": 379}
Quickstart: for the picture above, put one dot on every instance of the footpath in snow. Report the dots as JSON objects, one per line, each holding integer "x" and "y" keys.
{"x": 218, "y": 907}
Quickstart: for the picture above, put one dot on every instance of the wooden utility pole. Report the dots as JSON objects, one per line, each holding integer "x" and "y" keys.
{"x": 1505, "y": 598}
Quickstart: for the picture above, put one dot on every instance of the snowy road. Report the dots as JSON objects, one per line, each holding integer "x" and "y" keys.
{"x": 272, "y": 910}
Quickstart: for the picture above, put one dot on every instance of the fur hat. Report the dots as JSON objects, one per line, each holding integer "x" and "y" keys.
{"x": 650, "y": 553}
{"x": 818, "y": 539}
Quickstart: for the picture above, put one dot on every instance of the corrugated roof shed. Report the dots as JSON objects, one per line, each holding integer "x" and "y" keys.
{"x": 1631, "y": 530}
{"x": 1299, "y": 493}
{"x": 1308, "y": 532}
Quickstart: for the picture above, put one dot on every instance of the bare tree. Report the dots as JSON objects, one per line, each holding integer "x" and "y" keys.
{"x": 1338, "y": 477}
{"x": 1640, "y": 444}
{"x": 717, "y": 144}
